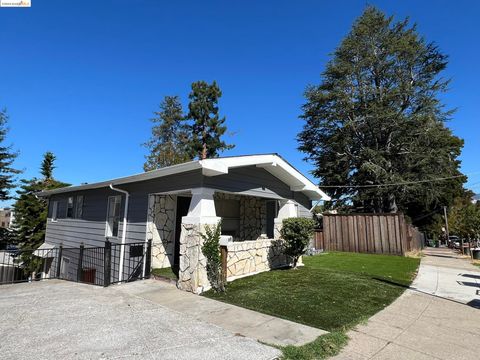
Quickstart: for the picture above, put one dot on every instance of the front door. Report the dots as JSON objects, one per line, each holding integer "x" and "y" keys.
{"x": 183, "y": 204}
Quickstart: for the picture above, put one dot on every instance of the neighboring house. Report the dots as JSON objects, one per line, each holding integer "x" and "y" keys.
{"x": 476, "y": 198}
{"x": 171, "y": 206}
{"x": 6, "y": 218}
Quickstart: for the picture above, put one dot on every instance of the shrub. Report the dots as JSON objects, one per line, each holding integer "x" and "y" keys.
{"x": 211, "y": 251}
{"x": 297, "y": 233}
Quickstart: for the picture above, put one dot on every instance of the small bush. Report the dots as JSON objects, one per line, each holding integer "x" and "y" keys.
{"x": 297, "y": 233}
{"x": 211, "y": 251}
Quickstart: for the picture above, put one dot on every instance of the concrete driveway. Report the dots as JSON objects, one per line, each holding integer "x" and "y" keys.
{"x": 64, "y": 320}
{"x": 437, "y": 318}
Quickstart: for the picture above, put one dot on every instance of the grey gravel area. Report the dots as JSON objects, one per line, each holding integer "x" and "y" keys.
{"x": 64, "y": 320}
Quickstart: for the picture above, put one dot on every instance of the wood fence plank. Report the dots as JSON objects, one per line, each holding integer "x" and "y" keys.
{"x": 368, "y": 233}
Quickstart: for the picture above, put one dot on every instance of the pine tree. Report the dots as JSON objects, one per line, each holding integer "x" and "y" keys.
{"x": 168, "y": 143}
{"x": 30, "y": 210}
{"x": 207, "y": 127}
{"x": 376, "y": 118}
{"x": 7, "y": 157}
{"x": 47, "y": 166}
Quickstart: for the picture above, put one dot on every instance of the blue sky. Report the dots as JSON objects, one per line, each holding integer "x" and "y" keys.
{"x": 81, "y": 78}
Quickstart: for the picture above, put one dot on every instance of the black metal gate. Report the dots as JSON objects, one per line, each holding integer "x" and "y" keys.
{"x": 102, "y": 266}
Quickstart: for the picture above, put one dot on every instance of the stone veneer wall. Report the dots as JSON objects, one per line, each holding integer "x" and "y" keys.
{"x": 161, "y": 228}
{"x": 253, "y": 216}
{"x": 250, "y": 257}
{"x": 193, "y": 264}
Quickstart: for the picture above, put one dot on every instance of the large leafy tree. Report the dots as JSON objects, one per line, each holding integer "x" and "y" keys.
{"x": 30, "y": 210}
{"x": 376, "y": 118}
{"x": 168, "y": 144}
{"x": 7, "y": 157}
{"x": 207, "y": 126}
{"x": 464, "y": 219}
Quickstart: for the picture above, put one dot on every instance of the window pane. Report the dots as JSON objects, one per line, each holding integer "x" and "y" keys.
{"x": 79, "y": 207}
{"x": 70, "y": 207}
{"x": 54, "y": 210}
{"x": 113, "y": 215}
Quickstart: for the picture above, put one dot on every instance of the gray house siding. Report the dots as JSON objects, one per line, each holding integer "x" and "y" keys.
{"x": 90, "y": 230}
{"x": 254, "y": 181}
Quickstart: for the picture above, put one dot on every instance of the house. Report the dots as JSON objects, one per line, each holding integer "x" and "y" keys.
{"x": 6, "y": 218}
{"x": 171, "y": 206}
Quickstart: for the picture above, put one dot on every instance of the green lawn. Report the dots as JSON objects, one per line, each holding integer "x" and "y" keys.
{"x": 333, "y": 291}
{"x": 165, "y": 272}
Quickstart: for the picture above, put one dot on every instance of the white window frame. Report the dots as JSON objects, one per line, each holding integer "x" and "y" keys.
{"x": 54, "y": 210}
{"x": 108, "y": 226}
{"x": 73, "y": 208}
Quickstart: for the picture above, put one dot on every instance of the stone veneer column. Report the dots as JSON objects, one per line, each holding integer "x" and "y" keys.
{"x": 287, "y": 210}
{"x": 192, "y": 274}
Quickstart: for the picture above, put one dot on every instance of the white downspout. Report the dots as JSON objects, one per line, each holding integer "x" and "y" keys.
{"x": 124, "y": 231}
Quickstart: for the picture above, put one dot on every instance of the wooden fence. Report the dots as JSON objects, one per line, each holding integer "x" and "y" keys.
{"x": 368, "y": 233}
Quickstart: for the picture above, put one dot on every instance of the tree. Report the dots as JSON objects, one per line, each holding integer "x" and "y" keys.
{"x": 31, "y": 211}
{"x": 207, "y": 127}
{"x": 464, "y": 219}
{"x": 47, "y": 167}
{"x": 297, "y": 233}
{"x": 7, "y": 157}
{"x": 170, "y": 136}
{"x": 376, "y": 118}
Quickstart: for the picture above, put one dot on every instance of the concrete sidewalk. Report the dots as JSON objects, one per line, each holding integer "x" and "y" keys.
{"x": 265, "y": 328}
{"x": 429, "y": 321}
{"x": 56, "y": 319}
{"x": 446, "y": 274}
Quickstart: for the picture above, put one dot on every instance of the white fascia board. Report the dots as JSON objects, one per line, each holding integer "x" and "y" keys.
{"x": 170, "y": 170}
{"x": 213, "y": 167}
{"x": 282, "y": 170}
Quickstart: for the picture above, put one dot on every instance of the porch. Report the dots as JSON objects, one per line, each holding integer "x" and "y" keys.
{"x": 175, "y": 221}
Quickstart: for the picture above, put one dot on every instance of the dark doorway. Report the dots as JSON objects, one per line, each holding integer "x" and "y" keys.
{"x": 272, "y": 210}
{"x": 183, "y": 204}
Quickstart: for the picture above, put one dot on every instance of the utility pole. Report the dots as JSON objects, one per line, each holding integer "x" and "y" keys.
{"x": 447, "y": 233}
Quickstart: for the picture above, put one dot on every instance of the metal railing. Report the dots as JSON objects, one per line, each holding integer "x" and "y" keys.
{"x": 92, "y": 265}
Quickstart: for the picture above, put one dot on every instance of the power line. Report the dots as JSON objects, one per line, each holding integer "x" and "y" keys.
{"x": 392, "y": 184}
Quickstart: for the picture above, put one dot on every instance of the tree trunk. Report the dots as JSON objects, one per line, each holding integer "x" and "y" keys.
{"x": 392, "y": 203}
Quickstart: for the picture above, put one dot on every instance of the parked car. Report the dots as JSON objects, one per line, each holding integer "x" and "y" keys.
{"x": 454, "y": 241}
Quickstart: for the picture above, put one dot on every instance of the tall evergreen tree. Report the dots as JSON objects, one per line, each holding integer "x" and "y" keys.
{"x": 7, "y": 157}
{"x": 207, "y": 127}
{"x": 31, "y": 211}
{"x": 170, "y": 136}
{"x": 376, "y": 118}
{"x": 47, "y": 167}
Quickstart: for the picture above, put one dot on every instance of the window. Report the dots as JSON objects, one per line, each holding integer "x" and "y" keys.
{"x": 229, "y": 211}
{"x": 79, "y": 207}
{"x": 113, "y": 215}
{"x": 272, "y": 213}
{"x": 54, "y": 210}
{"x": 70, "y": 207}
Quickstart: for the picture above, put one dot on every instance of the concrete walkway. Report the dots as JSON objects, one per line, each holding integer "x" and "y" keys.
{"x": 445, "y": 273}
{"x": 431, "y": 320}
{"x": 240, "y": 321}
{"x": 56, "y": 319}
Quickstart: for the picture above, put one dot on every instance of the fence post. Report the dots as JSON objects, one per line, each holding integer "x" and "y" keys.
{"x": 80, "y": 265}
{"x": 59, "y": 262}
{"x": 107, "y": 263}
{"x": 148, "y": 259}
{"x": 223, "y": 257}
